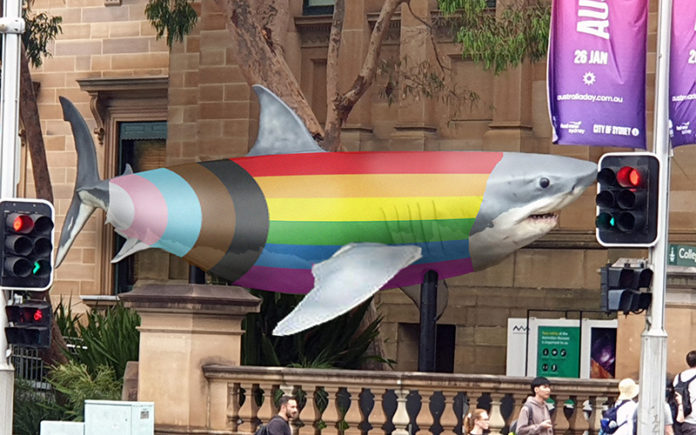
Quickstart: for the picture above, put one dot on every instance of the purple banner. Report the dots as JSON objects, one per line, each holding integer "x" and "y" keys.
{"x": 596, "y": 72}
{"x": 682, "y": 73}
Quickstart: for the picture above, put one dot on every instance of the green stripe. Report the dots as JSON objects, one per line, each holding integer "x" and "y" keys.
{"x": 388, "y": 232}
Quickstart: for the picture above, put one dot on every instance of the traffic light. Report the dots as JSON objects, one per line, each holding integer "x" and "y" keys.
{"x": 621, "y": 289}
{"x": 30, "y": 324}
{"x": 627, "y": 199}
{"x": 26, "y": 230}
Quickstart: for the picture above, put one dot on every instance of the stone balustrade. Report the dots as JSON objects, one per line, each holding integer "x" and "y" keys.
{"x": 375, "y": 402}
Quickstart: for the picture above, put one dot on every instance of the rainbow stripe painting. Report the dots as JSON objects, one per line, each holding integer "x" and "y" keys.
{"x": 318, "y": 203}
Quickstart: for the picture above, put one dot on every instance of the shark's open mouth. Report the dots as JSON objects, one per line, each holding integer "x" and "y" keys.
{"x": 547, "y": 218}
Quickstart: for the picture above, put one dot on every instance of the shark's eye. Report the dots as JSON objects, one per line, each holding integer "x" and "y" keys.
{"x": 544, "y": 182}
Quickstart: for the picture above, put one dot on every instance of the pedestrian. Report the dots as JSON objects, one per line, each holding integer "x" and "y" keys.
{"x": 280, "y": 423}
{"x": 626, "y": 407}
{"x": 675, "y": 417}
{"x": 534, "y": 416}
{"x": 476, "y": 422}
{"x": 689, "y": 425}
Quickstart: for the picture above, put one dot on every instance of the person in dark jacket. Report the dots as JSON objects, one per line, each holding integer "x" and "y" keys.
{"x": 534, "y": 418}
{"x": 280, "y": 423}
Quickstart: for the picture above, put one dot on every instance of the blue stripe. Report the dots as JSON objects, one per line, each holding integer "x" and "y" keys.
{"x": 183, "y": 211}
{"x": 304, "y": 256}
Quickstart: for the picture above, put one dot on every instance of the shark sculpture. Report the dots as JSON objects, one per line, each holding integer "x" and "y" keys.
{"x": 290, "y": 217}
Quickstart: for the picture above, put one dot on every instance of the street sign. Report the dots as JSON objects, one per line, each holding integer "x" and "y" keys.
{"x": 681, "y": 255}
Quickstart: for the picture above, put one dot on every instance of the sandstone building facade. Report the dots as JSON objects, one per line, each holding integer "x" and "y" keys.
{"x": 152, "y": 106}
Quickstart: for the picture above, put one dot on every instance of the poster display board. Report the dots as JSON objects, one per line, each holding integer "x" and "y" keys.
{"x": 568, "y": 348}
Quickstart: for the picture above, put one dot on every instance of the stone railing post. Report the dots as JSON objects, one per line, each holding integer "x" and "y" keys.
{"x": 183, "y": 327}
{"x": 496, "y": 417}
{"x": 558, "y": 418}
{"x": 448, "y": 420}
{"x": 577, "y": 422}
{"x": 400, "y": 418}
{"x": 377, "y": 417}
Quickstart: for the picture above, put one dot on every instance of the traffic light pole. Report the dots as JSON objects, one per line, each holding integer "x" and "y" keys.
{"x": 653, "y": 359}
{"x": 11, "y": 26}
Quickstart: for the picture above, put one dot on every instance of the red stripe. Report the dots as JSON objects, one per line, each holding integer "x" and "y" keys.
{"x": 437, "y": 162}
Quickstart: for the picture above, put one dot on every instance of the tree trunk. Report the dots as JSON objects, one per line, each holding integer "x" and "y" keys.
{"x": 262, "y": 62}
{"x": 29, "y": 113}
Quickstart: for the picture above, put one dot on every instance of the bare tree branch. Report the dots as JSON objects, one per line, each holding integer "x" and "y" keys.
{"x": 429, "y": 26}
{"x": 273, "y": 17}
{"x": 332, "y": 127}
{"x": 261, "y": 62}
{"x": 343, "y": 104}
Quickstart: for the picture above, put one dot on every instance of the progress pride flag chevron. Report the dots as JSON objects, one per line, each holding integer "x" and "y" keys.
{"x": 596, "y": 72}
{"x": 682, "y": 73}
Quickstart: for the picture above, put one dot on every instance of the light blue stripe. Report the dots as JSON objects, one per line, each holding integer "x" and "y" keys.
{"x": 183, "y": 211}
{"x": 304, "y": 256}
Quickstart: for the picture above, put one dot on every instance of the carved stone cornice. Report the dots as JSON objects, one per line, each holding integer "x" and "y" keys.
{"x": 104, "y": 90}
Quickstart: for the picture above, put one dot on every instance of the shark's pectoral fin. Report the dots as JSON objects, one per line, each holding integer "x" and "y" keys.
{"x": 344, "y": 281}
{"x": 129, "y": 248}
{"x": 414, "y": 293}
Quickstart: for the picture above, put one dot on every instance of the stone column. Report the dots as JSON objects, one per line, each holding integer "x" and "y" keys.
{"x": 183, "y": 327}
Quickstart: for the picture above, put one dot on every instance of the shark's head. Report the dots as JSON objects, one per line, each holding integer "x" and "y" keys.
{"x": 522, "y": 196}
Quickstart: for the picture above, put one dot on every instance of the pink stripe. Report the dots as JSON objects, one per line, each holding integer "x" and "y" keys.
{"x": 300, "y": 281}
{"x": 150, "y": 218}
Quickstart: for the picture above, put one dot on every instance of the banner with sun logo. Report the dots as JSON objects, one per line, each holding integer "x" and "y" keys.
{"x": 682, "y": 73}
{"x": 596, "y": 72}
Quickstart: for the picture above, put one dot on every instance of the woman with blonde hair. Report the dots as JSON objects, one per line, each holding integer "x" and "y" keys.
{"x": 476, "y": 422}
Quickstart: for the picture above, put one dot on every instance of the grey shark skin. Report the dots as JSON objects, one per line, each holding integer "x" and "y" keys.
{"x": 522, "y": 194}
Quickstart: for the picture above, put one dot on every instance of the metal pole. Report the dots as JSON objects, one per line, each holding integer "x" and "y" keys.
{"x": 11, "y": 26}
{"x": 653, "y": 358}
{"x": 428, "y": 323}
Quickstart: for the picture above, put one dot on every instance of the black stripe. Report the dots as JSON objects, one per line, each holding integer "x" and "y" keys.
{"x": 251, "y": 228}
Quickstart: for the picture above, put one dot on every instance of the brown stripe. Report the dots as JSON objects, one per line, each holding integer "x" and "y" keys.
{"x": 218, "y": 215}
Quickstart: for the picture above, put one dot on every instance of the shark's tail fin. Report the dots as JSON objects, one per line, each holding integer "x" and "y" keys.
{"x": 90, "y": 191}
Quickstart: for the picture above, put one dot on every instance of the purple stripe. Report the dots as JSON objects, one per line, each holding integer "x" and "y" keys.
{"x": 300, "y": 281}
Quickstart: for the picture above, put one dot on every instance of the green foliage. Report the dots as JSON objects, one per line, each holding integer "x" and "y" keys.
{"x": 75, "y": 384}
{"x": 335, "y": 344}
{"x": 30, "y": 407}
{"x": 41, "y": 29}
{"x": 176, "y": 18}
{"x": 109, "y": 337}
{"x": 503, "y": 40}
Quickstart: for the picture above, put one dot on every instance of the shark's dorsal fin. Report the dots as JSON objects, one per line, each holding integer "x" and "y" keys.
{"x": 281, "y": 131}
{"x": 128, "y": 170}
{"x": 131, "y": 246}
{"x": 361, "y": 267}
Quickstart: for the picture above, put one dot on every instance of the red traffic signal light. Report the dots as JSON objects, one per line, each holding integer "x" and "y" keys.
{"x": 30, "y": 324}
{"x": 27, "y": 244}
{"x": 627, "y": 199}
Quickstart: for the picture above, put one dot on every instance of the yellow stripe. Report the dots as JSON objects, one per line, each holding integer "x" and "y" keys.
{"x": 372, "y": 209}
{"x": 373, "y": 185}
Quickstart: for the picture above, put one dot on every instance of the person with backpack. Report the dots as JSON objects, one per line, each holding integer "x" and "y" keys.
{"x": 280, "y": 423}
{"x": 623, "y": 414}
{"x": 686, "y": 388}
{"x": 534, "y": 418}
